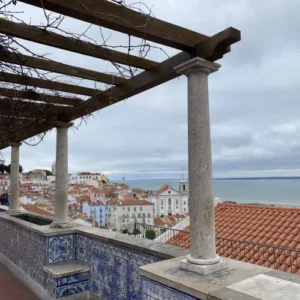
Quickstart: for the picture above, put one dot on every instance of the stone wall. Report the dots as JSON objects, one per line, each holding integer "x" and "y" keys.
{"x": 111, "y": 259}
{"x": 25, "y": 249}
{"x": 113, "y": 269}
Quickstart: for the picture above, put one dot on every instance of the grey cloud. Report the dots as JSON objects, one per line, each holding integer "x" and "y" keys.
{"x": 254, "y": 103}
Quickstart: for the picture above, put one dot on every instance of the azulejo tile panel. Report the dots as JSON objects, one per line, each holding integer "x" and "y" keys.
{"x": 60, "y": 249}
{"x": 24, "y": 248}
{"x": 113, "y": 269}
{"x": 152, "y": 290}
{"x": 68, "y": 285}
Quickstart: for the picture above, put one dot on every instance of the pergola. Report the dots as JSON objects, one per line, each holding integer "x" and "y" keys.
{"x": 196, "y": 60}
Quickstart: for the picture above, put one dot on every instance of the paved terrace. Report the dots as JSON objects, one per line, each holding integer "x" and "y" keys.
{"x": 12, "y": 288}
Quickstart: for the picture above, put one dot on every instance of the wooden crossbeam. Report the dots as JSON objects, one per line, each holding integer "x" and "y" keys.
{"x": 156, "y": 76}
{"x": 34, "y": 34}
{"x": 53, "y": 66}
{"x": 32, "y": 95}
{"x": 47, "y": 84}
{"x": 110, "y": 15}
{"x": 25, "y": 106}
{"x": 217, "y": 45}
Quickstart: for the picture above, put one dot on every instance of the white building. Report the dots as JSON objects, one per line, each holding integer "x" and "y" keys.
{"x": 169, "y": 201}
{"x": 86, "y": 177}
{"x": 121, "y": 214}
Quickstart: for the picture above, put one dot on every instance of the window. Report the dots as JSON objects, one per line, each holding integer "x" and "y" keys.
{"x": 169, "y": 201}
{"x": 184, "y": 209}
{"x": 162, "y": 202}
{"x": 134, "y": 209}
{"x": 144, "y": 216}
{"x": 123, "y": 208}
{"x": 141, "y": 208}
{"x": 169, "y": 192}
{"x": 176, "y": 201}
{"x": 161, "y": 208}
{"x": 148, "y": 215}
{"x": 176, "y": 207}
{"x": 139, "y": 215}
{"x": 183, "y": 187}
{"x": 128, "y": 208}
{"x": 184, "y": 202}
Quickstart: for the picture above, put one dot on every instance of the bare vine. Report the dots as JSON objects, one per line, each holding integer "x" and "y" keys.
{"x": 23, "y": 106}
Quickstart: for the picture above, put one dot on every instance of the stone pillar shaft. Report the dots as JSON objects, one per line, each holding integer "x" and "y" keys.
{"x": 14, "y": 204}
{"x": 61, "y": 176}
{"x": 201, "y": 202}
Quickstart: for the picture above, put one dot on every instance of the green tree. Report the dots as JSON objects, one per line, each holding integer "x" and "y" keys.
{"x": 150, "y": 234}
{"x": 7, "y": 169}
{"x": 48, "y": 173}
{"x": 2, "y": 168}
{"x": 136, "y": 231}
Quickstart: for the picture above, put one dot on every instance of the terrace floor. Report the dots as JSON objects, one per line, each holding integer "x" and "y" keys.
{"x": 12, "y": 289}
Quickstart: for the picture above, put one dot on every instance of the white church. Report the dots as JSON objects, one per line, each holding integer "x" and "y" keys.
{"x": 169, "y": 201}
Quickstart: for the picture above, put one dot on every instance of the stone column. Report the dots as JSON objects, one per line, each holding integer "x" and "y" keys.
{"x": 201, "y": 203}
{"x": 61, "y": 176}
{"x": 14, "y": 203}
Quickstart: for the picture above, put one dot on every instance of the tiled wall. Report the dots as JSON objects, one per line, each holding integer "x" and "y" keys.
{"x": 68, "y": 285}
{"x": 151, "y": 290}
{"x": 60, "y": 249}
{"x": 113, "y": 269}
{"x": 25, "y": 248}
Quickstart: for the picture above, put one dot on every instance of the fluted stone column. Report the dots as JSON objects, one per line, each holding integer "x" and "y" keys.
{"x": 61, "y": 176}
{"x": 202, "y": 258}
{"x": 14, "y": 203}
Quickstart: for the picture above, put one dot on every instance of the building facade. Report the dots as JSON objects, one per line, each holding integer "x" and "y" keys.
{"x": 96, "y": 212}
{"x": 122, "y": 214}
{"x": 85, "y": 177}
{"x": 168, "y": 201}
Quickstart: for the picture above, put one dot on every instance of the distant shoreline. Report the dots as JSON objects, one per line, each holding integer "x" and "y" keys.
{"x": 223, "y": 178}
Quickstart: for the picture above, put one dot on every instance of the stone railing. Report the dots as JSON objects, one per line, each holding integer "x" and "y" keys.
{"x": 91, "y": 263}
{"x": 79, "y": 262}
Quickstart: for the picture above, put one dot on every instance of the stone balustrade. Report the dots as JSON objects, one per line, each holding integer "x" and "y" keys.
{"x": 91, "y": 263}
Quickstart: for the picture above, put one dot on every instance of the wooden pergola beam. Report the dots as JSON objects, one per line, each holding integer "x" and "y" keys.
{"x": 117, "y": 17}
{"x": 25, "y": 106}
{"x": 47, "y": 84}
{"x": 156, "y": 76}
{"x": 57, "y": 67}
{"x": 34, "y": 34}
{"x": 216, "y": 46}
{"x": 32, "y": 95}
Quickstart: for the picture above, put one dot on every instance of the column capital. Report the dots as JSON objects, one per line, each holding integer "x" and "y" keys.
{"x": 197, "y": 64}
{"x": 16, "y": 144}
{"x": 63, "y": 124}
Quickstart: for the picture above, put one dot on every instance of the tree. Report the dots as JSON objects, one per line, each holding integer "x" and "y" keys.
{"x": 150, "y": 234}
{"x": 7, "y": 169}
{"x": 2, "y": 168}
{"x": 136, "y": 231}
{"x": 48, "y": 173}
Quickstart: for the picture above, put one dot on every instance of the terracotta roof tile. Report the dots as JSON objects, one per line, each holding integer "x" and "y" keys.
{"x": 248, "y": 232}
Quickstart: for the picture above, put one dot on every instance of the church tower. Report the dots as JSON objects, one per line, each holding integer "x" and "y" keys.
{"x": 183, "y": 185}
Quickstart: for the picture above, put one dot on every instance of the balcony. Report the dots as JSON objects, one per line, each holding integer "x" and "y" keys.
{"x": 91, "y": 263}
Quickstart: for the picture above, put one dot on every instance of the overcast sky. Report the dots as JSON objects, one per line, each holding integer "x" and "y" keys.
{"x": 254, "y": 100}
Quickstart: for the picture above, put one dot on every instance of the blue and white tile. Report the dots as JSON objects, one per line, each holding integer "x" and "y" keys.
{"x": 156, "y": 291}
{"x": 77, "y": 278}
{"x": 60, "y": 249}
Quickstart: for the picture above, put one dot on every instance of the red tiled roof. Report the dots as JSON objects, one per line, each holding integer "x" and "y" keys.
{"x": 248, "y": 232}
{"x": 37, "y": 209}
{"x": 163, "y": 189}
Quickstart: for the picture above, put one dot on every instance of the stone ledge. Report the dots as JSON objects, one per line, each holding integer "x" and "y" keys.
{"x": 66, "y": 269}
{"x": 213, "y": 286}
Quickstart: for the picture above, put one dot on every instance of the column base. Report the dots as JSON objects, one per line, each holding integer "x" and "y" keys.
{"x": 14, "y": 211}
{"x": 61, "y": 224}
{"x": 204, "y": 269}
